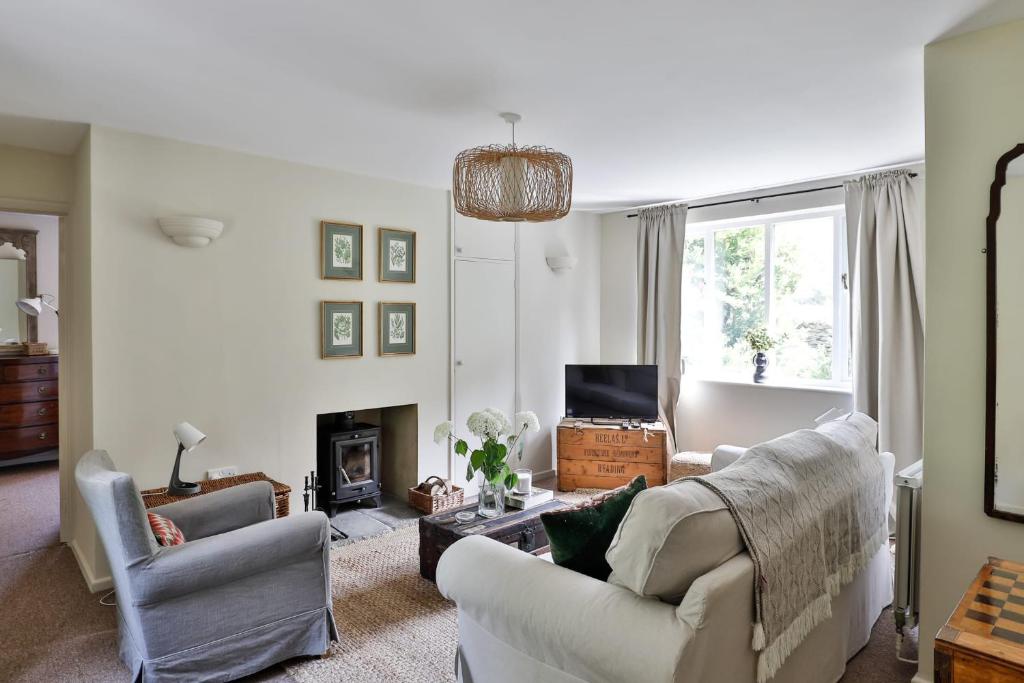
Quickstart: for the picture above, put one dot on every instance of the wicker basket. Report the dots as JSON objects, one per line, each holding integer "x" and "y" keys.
{"x": 428, "y": 504}
{"x": 36, "y": 349}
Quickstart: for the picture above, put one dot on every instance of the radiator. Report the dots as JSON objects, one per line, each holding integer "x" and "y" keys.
{"x": 908, "y": 545}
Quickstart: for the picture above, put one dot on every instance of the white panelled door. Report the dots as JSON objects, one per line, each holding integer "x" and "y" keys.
{"x": 484, "y": 239}
{"x": 484, "y": 345}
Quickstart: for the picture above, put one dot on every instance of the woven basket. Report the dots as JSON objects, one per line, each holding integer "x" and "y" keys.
{"x": 36, "y": 349}
{"x": 428, "y": 504}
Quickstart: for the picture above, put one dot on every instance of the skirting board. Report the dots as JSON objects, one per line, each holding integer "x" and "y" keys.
{"x": 93, "y": 583}
{"x": 918, "y": 678}
{"x": 543, "y": 474}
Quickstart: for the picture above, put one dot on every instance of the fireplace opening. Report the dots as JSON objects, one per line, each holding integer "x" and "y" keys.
{"x": 347, "y": 461}
{"x": 364, "y": 454}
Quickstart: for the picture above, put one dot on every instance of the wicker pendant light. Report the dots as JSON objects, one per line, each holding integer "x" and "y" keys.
{"x": 512, "y": 184}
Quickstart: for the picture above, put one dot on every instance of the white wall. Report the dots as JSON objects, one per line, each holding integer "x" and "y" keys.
{"x": 47, "y": 279}
{"x": 974, "y": 108}
{"x": 559, "y": 318}
{"x": 228, "y": 336}
{"x": 33, "y": 180}
{"x": 713, "y": 413}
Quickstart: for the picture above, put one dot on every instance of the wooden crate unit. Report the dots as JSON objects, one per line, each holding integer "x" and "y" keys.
{"x": 602, "y": 457}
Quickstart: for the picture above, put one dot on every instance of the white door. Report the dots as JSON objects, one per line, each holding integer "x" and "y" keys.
{"x": 484, "y": 345}
{"x": 484, "y": 239}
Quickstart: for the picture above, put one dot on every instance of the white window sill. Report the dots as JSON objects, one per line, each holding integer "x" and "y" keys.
{"x": 789, "y": 385}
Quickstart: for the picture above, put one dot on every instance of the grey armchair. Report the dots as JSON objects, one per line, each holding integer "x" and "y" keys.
{"x": 245, "y": 590}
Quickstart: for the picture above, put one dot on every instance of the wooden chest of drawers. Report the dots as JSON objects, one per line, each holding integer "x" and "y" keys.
{"x": 28, "y": 405}
{"x": 601, "y": 457}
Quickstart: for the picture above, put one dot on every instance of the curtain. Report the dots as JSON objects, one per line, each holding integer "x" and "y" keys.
{"x": 885, "y": 239}
{"x": 661, "y": 236}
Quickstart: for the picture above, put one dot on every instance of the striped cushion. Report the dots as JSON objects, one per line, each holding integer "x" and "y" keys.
{"x": 166, "y": 531}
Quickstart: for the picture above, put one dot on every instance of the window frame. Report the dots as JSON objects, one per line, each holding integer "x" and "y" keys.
{"x": 841, "y": 337}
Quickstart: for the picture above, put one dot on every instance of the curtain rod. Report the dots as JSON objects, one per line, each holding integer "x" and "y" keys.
{"x": 764, "y": 196}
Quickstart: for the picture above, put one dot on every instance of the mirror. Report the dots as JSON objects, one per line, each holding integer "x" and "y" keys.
{"x": 13, "y": 323}
{"x": 1004, "y": 424}
{"x": 17, "y": 281}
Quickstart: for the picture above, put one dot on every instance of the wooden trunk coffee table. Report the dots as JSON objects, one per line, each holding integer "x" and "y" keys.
{"x": 520, "y": 529}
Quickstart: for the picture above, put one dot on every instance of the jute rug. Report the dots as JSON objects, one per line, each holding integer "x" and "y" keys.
{"x": 393, "y": 624}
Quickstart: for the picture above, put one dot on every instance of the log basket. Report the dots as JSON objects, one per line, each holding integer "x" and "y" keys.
{"x": 428, "y": 504}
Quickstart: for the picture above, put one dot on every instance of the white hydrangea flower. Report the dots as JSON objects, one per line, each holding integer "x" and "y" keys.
{"x": 443, "y": 431}
{"x": 526, "y": 420}
{"x": 484, "y": 425}
{"x": 506, "y": 426}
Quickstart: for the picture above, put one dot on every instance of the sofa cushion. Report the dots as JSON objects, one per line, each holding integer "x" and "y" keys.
{"x": 579, "y": 536}
{"x": 166, "y": 532}
{"x": 670, "y": 536}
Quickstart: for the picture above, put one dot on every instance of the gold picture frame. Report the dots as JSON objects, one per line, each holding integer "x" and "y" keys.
{"x": 329, "y": 268}
{"x": 385, "y": 270}
{"x": 387, "y": 345}
{"x": 353, "y": 350}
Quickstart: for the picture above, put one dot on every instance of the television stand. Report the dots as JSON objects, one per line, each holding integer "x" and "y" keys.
{"x": 592, "y": 455}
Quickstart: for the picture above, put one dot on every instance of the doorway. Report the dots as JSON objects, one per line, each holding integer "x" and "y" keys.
{"x": 29, "y": 370}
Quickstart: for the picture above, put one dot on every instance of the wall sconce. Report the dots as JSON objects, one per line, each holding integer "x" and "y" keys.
{"x": 561, "y": 264}
{"x": 191, "y": 231}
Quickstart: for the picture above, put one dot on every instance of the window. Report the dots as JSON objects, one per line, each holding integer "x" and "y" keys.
{"x": 784, "y": 272}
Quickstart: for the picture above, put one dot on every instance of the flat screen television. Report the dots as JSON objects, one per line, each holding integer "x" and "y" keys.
{"x": 611, "y": 391}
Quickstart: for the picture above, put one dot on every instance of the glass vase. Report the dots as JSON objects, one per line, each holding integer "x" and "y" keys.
{"x": 491, "y": 499}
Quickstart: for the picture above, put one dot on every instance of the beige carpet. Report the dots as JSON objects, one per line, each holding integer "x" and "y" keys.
{"x": 29, "y": 508}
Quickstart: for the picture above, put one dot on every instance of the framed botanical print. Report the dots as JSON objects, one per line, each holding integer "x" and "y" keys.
{"x": 341, "y": 329}
{"x": 396, "y": 331}
{"x": 341, "y": 251}
{"x": 396, "y": 255}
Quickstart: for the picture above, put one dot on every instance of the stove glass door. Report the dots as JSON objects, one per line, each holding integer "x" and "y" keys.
{"x": 353, "y": 461}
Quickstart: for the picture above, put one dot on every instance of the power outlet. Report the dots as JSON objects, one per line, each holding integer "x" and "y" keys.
{"x": 221, "y": 472}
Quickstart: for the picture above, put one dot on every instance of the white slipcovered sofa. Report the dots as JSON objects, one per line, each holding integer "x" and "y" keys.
{"x": 678, "y": 606}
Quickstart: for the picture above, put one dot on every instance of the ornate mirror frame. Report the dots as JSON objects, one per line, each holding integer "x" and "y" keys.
{"x": 991, "y": 322}
{"x": 25, "y": 239}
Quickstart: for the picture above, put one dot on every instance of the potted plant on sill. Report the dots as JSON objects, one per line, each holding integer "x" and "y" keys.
{"x": 499, "y": 438}
{"x": 760, "y": 342}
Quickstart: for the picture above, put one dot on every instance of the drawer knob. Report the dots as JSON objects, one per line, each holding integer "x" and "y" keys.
{"x": 42, "y": 411}
{"x": 42, "y": 436}
{"x": 43, "y": 390}
{"x": 41, "y": 371}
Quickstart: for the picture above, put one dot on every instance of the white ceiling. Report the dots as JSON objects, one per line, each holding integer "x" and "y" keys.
{"x": 653, "y": 100}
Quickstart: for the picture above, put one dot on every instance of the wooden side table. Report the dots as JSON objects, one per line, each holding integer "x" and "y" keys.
{"x": 151, "y": 498}
{"x": 983, "y": 640}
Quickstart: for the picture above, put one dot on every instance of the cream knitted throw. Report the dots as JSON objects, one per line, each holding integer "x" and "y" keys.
{"x": 810, "y": 508}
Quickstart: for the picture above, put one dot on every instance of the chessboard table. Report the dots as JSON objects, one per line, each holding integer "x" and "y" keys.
{"x": 521, "y": 529}
{"x": 983, "y": 640}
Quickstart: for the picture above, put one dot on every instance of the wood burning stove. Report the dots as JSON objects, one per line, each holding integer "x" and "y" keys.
{"x": 347, "y": 464}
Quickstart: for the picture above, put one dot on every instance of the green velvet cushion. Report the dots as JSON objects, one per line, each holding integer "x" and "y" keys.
{"x": 580, "y": 536}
